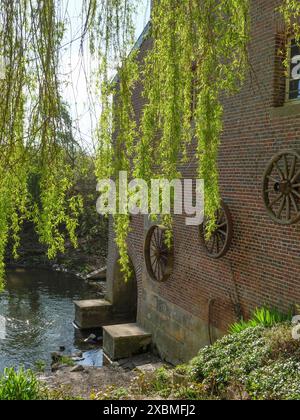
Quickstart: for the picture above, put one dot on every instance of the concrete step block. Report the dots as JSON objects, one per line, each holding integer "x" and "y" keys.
{"x": 93, "y": 313}
{"x": 125, "y": 340}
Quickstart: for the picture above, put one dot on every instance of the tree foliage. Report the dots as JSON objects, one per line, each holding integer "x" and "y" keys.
{"x": 199, "y": 50}
{"x": 31, "y": 117}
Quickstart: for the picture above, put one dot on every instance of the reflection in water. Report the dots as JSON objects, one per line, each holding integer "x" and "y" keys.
{"x": 36, "y": 315}
{"x": 2, "y": 328}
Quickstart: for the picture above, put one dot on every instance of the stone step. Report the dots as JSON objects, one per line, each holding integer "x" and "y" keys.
{"x": 93, "y": 313}
{"x": 125, "y": 340}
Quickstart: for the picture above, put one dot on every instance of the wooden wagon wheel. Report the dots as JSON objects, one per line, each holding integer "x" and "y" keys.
{"x": 219, "y": 243}
{"x": 281, "y": 188}
{"x": 158, "y": 257}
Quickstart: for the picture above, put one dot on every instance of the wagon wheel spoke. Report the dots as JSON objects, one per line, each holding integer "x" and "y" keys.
{"x": 271, "y": 178}
{"x": 295, "y": 193}
{"x": 153, "y": 247}
{"x": 157, "y": 237}
{"x": 164, "y": 258}
{"x": 213, "y": 244}
{"x": 222, "y": 225}
{"x": 275, "y": 201}
{"x": 153, "y": 243}
{"x": 295, "y": 177}
{"x": 279, "y": 170}
{"x": 282, "y": 205}
{"x": 222, "y": 232}
{"x": 153, "y": 257}
{"x": 164, "y": 252}
{"x": 222, "y": 238}
{"x": 292, "y": 198}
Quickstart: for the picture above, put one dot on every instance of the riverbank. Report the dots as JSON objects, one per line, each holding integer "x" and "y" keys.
{"x": 258, "y": 363}
{"x": 114, "y": 381}
{"x": 90, "y": 255}
{"x": 92, "y": 235}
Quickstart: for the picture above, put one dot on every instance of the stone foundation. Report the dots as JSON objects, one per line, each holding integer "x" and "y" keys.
{"x": 177, "y": 335}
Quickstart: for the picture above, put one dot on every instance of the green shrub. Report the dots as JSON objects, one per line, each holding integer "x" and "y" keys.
{"x": 261, "y": 317}
{"x": 279, "y": 380}
{"x": 230, "y": 359}
{"x": 21, "y": 385}
{"x": 257, "y": 363}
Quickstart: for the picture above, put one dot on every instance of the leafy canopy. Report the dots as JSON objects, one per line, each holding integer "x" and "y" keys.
{"x": 199, "y": 49}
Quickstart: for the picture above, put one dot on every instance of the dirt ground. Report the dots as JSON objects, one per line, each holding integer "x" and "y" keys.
{"x": 88, "y": 382}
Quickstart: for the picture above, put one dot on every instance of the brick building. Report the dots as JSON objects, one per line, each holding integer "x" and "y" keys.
{"x": 204, "y": 295}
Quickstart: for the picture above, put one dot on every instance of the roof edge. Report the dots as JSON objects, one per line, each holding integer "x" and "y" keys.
{"x": 136, "y": 46}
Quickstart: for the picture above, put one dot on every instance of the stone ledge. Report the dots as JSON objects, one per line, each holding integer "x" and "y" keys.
{"x": 125, "y": 340}
{"x": 287, "y": 110}
{"x": 92, "y": 313}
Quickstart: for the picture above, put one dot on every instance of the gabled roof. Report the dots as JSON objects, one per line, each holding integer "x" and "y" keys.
{"x": 137, "y": 45}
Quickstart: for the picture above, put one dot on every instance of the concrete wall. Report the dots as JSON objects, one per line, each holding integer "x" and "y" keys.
{"x": 177, "y": 335}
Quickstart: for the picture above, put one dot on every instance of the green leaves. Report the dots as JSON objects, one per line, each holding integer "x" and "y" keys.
{"x": 261, "y": 317}
{"x": 19, "y": 386}
{"x": 35, "y": 132}
{"x": 255, "y": 364}
{"x": 198, "y": 54}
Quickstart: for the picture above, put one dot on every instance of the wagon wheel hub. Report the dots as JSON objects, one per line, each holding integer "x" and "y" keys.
{"x": 157, "y": 253}
{"x": 283, "y": 187}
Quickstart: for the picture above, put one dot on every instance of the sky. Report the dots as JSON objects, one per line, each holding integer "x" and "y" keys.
{"x": 76, "y": 71}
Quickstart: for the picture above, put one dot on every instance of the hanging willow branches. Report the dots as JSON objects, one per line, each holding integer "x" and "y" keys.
{"x": 199, "y": 51}
{"x": 30, "y": 121}
{"x": 290, "y": 10}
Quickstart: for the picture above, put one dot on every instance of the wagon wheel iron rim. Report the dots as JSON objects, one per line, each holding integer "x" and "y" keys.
{"x": 220, "y": 240}
{"x": 158, "y": 257}
{"x": 281, "y": 188}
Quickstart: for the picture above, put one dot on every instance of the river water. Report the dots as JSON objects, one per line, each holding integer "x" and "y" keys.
{"x": 36, "y": 318}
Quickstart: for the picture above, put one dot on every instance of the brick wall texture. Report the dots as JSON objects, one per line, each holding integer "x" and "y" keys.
{"x": 263, "y": 264}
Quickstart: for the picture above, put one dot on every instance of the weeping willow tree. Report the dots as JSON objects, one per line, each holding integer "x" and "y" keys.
{"x": 30, "y": 120}
{"x": 199, "y": 49}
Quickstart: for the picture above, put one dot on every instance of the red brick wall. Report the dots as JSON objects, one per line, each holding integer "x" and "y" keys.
{"x": 263, "y": 265}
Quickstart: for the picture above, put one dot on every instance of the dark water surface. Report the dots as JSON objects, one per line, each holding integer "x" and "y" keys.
{"x": 36, "y": 316}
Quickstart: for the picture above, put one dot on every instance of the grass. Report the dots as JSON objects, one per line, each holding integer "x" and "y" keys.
{"x": 66, "y": 360}
{"x": 266, "y": 317}
{"x": 21, "y": 385}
